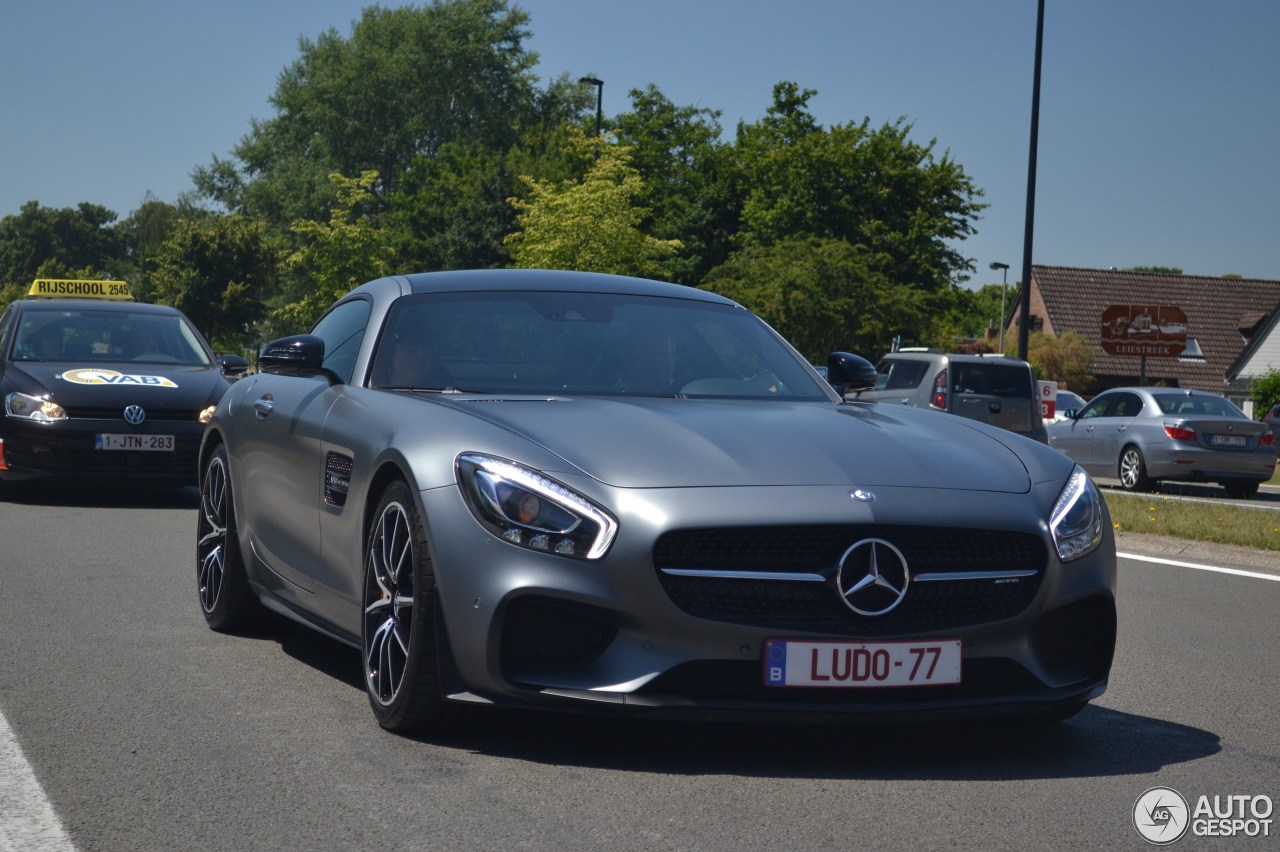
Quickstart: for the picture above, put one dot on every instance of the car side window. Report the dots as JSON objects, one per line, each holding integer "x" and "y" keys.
{"x": 342, "y": 330}
{"x": 1125, "y": 405}
{"x": 1097, "y": 408}
{"x": 899, "y": 375}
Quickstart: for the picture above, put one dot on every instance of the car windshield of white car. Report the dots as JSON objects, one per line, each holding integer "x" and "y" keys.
{"x": 559, "y": 343}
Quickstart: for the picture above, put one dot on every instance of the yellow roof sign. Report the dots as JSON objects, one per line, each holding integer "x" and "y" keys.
{"x": 70, "y": 289}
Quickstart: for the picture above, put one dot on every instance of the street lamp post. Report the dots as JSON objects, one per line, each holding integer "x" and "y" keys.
{"x": 1004, "y": 268}
{"x": 599, "y": 84}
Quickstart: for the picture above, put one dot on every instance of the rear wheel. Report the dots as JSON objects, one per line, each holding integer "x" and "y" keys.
{"x": 1244, "y": 489}
{"x": 226, "y": 600}
{"x": 398, "y": 633}
{"x": 1133, "y": 470}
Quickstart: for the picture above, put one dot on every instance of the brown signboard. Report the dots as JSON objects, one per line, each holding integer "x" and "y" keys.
{"x": 1154, "y": 331}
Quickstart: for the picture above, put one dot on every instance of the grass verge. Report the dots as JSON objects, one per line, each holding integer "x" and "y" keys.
{"x": 1161, "y": 515}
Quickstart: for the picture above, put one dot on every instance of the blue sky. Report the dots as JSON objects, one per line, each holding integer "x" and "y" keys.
{"x": 1159, "y": 122}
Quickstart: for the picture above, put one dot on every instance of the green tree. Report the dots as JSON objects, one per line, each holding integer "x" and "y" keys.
{"x": 871, "y": 187}
{"x": 78, "y": 237}
{"x": 336, "y": 255}
{"x": 1063, "y": 358}
{"x": 1264, "y": 390}
{"x": 217, "y": 270}
{"x": 691, "y": 183}
{"x": 404, "y": 84}
{"x": 823, "y": 295}
{"x": 591, "y": 224}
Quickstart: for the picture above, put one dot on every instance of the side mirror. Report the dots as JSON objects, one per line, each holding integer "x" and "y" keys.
{"x": 300, "y": 355}
{"x": 1070, "y": 413}
{"x": 233, "y": 365}
{"x": 849, "y": 373}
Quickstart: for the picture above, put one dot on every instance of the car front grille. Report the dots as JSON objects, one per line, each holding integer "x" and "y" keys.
{"x": 949, "y": 602}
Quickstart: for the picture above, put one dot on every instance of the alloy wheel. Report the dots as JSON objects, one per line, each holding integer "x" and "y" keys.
{"x": 388, "y": 603}
{"x": 211, "y": 543}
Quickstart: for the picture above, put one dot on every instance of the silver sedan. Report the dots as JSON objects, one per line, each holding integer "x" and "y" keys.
{"x": 603, "y": 494}
{"x": 1148, "y": 434}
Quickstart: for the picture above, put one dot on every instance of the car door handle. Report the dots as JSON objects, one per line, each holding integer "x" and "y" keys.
{"x": 262, "y": 407}
{"x": 1121, "y": 428}
{"x": 1088, "y": 428}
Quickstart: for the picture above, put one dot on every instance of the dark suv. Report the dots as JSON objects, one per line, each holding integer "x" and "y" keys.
{"x": 993, "y": 389}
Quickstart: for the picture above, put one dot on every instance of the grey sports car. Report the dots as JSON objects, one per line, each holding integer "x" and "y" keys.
{"x": 595, "y": 493}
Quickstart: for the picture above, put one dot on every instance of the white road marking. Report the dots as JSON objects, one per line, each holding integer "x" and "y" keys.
{"x": 1214, "y": 568}
{"x": 27, "y": 820}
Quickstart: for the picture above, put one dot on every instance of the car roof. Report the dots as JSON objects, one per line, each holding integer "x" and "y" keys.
{"x": 94, "y": 305}
{"x": 480, "y": 280}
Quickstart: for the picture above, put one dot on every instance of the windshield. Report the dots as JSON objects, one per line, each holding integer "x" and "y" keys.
{"x": 87, "y": 336}
{"x": 585, "y": 343}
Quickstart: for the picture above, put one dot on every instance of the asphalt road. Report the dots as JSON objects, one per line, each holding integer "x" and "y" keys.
{"x": 147, "y": 731}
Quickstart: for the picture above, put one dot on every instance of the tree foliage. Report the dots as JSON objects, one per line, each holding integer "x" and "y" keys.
{"x": 1264, "y": 390}
{"x": 592, "y": 224}
{"x": 404, "y": 84}
{"x": 871, "y": 187}
{"x": 78, "y": 237}
{"x": 216, "y": 270}
{"x": 1063, "y": 358}
{"x": 823, "y": 295}
{"x": 336, "y": 255}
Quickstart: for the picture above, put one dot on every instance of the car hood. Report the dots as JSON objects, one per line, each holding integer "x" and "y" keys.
{"x": 95, "y": 385}
{"x": 653, "y": 443}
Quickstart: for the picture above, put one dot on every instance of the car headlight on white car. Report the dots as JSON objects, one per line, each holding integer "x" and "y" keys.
{"x": 527, "y": 509}
{"x": 1076, "y": 522}
{"x": 33, "y": 408}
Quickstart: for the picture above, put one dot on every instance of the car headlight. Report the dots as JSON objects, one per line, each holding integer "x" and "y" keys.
{"x": 1076, "y": 522}
{"x": 207, "y": 414}
{"x": 525, "y": 508}
{"x": 33, "y": 408}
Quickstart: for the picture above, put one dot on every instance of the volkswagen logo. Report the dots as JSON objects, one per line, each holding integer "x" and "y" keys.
{"x": 134, "y": 415}
{"x": 873, "y": 577}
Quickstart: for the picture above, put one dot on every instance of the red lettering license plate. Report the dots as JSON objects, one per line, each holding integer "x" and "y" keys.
{"x": 141, "y": 443}
{"x": 861, "y": 664}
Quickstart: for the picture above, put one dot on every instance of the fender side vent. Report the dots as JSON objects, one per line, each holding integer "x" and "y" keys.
{"x": 337, "y": 478}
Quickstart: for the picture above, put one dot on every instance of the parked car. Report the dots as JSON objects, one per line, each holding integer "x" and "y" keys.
{"x": 1272, "y": 419}
{"x": 604, "y": 494}
{"x": 991, "y": 389}
{"x": 1147, "y": 434}
{"x": 1065, "y": 404}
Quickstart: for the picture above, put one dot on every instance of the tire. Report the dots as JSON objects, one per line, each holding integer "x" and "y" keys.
{"x": 1243, "y": 489}
{"x": 1063, "y": 712}
{"x": 1132, "y": 469}
{"x": 398, "y": 647}
{"x": 228, "y": 603}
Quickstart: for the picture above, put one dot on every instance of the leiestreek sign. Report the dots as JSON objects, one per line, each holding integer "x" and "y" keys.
{"x": 1162, "y": 815}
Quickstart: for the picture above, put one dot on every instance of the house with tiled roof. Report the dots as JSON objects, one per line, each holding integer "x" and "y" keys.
{"x": 1226, "y": 318}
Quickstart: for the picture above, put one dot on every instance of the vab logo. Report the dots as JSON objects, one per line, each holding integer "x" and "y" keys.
{"x": 93, "y": 376}
{"x": 1160, "y": 815}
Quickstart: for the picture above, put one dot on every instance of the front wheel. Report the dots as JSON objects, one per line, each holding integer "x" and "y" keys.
{"x": 226, "y": 600}
{"x": 1133, "y": 470}
{"x": 398, "y": 630}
